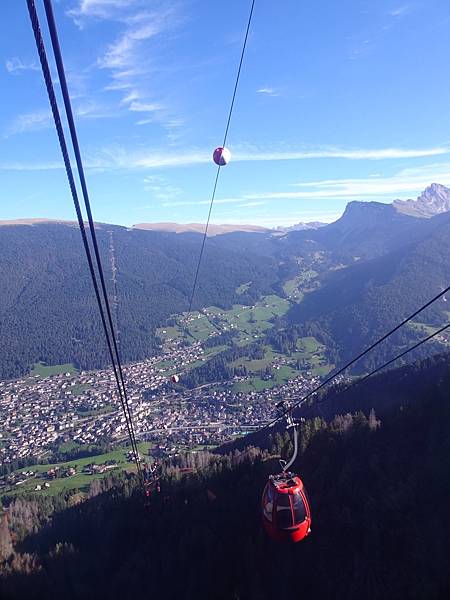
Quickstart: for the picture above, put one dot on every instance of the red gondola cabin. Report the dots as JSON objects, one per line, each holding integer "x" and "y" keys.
{"x": 285, "y": 508}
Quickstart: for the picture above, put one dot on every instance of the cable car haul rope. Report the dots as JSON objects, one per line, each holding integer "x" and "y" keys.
{"x": 285, "y": 507}
{"x": 221, "y": 157}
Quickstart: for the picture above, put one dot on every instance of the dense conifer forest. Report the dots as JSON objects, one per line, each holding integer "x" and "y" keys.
{"x": 379, "y": 494}
{"x": 47, "y": 305}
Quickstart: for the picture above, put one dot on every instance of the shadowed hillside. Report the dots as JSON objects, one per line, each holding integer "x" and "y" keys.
{"x": 379, "y": 496}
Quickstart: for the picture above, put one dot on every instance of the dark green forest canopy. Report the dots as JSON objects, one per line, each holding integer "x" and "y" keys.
{"x": 379, "y": 496}
{"x": 47, "y": 305}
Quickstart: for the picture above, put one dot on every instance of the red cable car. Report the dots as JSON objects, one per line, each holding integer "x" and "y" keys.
{"x": 285, "y": 508}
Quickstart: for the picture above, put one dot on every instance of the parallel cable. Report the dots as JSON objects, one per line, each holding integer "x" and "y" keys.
{"x": 389, "y": 362}
{"x": 216, "y": 180}
{"x": 73, "y": 133}
{"x": 69, "y": 172}
{"x": 366, "y": 351}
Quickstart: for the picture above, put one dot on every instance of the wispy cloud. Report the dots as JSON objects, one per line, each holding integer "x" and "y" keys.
{"x": 155, "y": 160}
{"x": 94, "y": 110}
{"x": 351, "y": 154}
{"x": 401, "y": 11}
{"x": 31, "y": 121}
{"x": 99, "y": 9}
{"x": 406, "y": 183}
{"x": 366, "y": 42}
{"x": 42, "y": 119}
{"x": 117, "y": 157}
{"x": 403, "y": 184}
{"x": 132, "y": 59}
{"x": 38, "y": 166}
{"x": 146, "y": 107}
{"x": 160, "y": 188}
{"x": 126, "y": 58}
{"x": 268, "y": 91}
{"x": 15, "y": 64}
{"x": 121, "y": 158}
{"x": 252, "y": 204}
{"x": 121, "y": 54}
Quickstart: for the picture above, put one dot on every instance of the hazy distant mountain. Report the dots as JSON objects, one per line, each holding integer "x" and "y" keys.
{"x": 35, "y": 222}
{"x": 434, "y": 200}
{"x": 219, "y": 229}
{"x": 301, "y": 226}
{"x": 213, "y": 229}
{"x": 365, "y": 230}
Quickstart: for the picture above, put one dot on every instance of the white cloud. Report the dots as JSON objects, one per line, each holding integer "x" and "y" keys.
{"x": 160, "y": 188}
{"x": 130, "y": 97}
{"x": 268, "y": 91}
{"x": 16, "y": 64}
{"x": 401, "y": 11}
{"x": 131, "y": 63}
{"x": 19, "y": 166}
{"x": 100, "y": 9}
{"x": 117, "y": 86}
{"x": 42, "y": 119}
{"x": 94, "y": 110}
{"x": 121, "y": 53}
{"x": 252, "y": 204}
{"x": 117, "y": 157}
{"x": 356, "y": 154}
{"x": 32, "y": 121}
{"x": 144, "y": 107}
{"x": 192, "y": 157}
{"x": 404, "y": 184}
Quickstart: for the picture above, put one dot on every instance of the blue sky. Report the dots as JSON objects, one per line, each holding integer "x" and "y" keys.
{"x": 338, "y": 101}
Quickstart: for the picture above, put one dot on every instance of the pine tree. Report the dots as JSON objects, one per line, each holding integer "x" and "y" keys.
{"x": 6, "y": 547}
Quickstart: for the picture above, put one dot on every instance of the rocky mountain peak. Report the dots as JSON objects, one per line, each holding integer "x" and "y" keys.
{"x": 433, "y": 201}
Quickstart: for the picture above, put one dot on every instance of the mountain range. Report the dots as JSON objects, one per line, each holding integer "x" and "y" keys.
{"x": 365, "y": 271}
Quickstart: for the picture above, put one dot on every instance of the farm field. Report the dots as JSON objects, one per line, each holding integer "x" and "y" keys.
{"x": 80, "y": 481}
{"x": 296, "y": 287}
{"x": 46, "y": 370}
{"x": 248, "y": 324}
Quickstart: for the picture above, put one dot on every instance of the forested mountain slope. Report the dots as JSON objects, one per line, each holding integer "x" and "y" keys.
{"x": 349, "y": 281}
{"x": 357, "y": 305}
{"x": 379, "y": 497}
{"x": 47, "y": 304}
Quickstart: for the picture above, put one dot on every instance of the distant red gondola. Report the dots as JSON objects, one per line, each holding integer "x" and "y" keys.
{"x": 175, "y": 378}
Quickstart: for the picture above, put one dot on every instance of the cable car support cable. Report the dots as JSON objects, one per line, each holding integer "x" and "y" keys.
{"x": 216, "y": 180}
{"x": 386, "y": 364}
{"x": 371, "y": 347}
{"x": 76, "y": 148}
{"x": 64, "y": 150}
